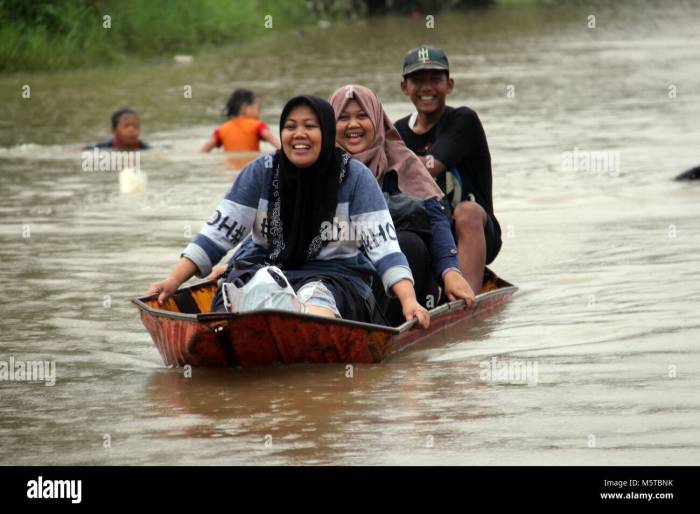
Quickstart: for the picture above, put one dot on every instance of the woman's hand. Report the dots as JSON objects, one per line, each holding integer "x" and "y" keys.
{"x": 414, "y": 310}
{"x": 217, "y": 271}
{"x": 404, "y": 291}
{"x": 182, "y": 272}
{"x": 456, "y": 287}
{"x": 164, "y": 289}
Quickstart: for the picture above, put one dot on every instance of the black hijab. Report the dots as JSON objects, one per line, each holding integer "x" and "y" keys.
{"x": 302, "y": 199}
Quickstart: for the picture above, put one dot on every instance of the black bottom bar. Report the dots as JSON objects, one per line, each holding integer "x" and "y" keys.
{"x": 445, "y": 486}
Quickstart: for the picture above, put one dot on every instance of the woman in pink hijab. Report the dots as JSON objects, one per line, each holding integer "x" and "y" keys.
{"x": 365, "y": 131}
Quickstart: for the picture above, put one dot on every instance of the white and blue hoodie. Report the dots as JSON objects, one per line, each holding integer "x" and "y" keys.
{"x": 360, "y": 200}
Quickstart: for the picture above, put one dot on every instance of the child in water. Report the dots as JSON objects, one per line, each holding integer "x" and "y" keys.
{"x": 244, "y": 130}
{"x": 126, "y": 129}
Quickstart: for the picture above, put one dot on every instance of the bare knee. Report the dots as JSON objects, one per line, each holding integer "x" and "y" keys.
{"x": 469, "y": 217}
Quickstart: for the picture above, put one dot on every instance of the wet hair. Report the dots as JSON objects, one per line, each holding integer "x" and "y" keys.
{"x": 238, "y": 99}
{"x": 116, "y": 116}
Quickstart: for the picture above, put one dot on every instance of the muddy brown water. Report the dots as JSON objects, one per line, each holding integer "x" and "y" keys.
{"x": 605, "y": 254}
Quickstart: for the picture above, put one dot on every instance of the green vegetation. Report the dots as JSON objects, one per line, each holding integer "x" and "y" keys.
{"x": 78, "y": 33}
{"x": 50, "y": 34}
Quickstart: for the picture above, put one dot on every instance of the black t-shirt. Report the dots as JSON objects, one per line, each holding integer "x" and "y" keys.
{"x": 458, "y": 141}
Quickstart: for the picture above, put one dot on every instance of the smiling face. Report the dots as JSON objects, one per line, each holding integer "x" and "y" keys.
{"x": 126, "y": 133}
{"x": 301, "y": 136}
{"x": 354, "y": 130}
{"x": 428, "y": 90}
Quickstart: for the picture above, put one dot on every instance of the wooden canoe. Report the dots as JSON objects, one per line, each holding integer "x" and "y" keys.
{"x": 186, "y": 332}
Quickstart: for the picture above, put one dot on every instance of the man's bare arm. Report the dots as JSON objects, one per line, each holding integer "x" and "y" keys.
{"x": 435, "y": 167}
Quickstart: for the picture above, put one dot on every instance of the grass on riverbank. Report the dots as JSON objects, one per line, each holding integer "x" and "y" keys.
{"x": 83, "y": 33}
{"x": 45, "y": 35}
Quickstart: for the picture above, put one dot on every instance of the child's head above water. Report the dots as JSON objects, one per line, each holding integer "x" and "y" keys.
{"x": 126, "y": 129}
{"x": 243, "y": 103}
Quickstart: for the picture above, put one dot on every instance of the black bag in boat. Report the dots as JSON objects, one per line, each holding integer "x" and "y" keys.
{"x": 408, "y": 213}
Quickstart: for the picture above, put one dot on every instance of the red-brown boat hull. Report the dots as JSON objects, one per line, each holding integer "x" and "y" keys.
{"x": 186, "y": 334}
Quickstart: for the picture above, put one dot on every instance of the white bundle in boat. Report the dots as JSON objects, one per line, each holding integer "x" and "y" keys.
{"x": 268, "y": 289}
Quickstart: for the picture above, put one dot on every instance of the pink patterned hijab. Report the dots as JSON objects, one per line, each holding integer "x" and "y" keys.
{"x": 388, "y": 151}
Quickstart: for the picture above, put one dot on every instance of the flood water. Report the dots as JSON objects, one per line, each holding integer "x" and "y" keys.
{"x": 606, "y": 259}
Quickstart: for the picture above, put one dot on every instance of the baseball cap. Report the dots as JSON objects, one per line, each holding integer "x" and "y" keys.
{"x": 425, "y": 58}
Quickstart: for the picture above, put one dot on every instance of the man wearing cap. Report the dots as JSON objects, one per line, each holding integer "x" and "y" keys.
{"x": 452, "y": 144}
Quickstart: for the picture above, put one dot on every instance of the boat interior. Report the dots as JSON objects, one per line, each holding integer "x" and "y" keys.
{"x": 197, "y": 299}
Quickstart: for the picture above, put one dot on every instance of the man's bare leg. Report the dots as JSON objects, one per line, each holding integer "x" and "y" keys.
{"x": 470, "y": 219}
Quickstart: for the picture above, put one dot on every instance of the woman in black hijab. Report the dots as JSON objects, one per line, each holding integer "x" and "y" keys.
{"x": 294, "y": 202}
{"x": 305, "y": 194}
